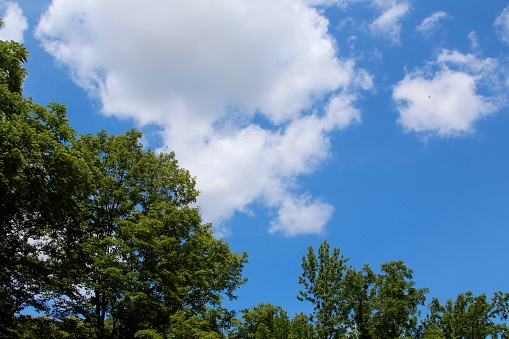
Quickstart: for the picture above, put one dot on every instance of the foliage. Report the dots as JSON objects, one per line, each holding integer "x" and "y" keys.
{"x": 360, "y": 304}
{"x": 264, "y": 321}
{"x": 41, "y": 181}
{"x": 148, "y": 334}
{"x": 301, "y": 327}
{"x": 323, "y": 279}
{"x": 185, "y": 325}
{"x": 360, "y": 296}
{"x": 468, "y": 316}
{"x": 396, "y": 302}
{"x": 28, "y": 327}
{"x": 143, "y": 254}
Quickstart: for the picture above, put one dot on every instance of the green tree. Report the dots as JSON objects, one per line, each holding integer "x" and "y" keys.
{"x": 141, "y": 254}
{"x": 396, "y": 302}
{"x": 41, "y": 182}
{"x": 359, "y": 303}
{"x": 264, "y": 321}
{"x": 468, "y": 317}
{"x": 301, "y": 327}
{"x": 42, "y": 327}
{"x": 360, "y": 296}
{"x": 91, "y": 267}
{"x": 323, "y": 280}
{"x": 383, "y": 305}
{"x": 185, "y": 324}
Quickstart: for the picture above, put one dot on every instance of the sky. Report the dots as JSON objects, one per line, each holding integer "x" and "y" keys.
{"x": 379, "y": 125}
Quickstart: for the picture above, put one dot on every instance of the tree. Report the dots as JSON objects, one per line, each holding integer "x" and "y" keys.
{"x": 141, "y": 254}
{"x": 41, "y": 182}
{"x": 359, "y": 303}
{"x": 42, "y": 327}
{"x": 360, "y": 296}
{"x": 264, "y": 321}
{"x": 301, "y": 327}
{"x": 468, "y": 317}
{"x": 396, "y": 302}
{"x": 323, "y": 281}
{"x": 89, "y": 261}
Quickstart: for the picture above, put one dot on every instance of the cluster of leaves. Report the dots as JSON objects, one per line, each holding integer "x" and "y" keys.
{"x": 100, "y": 233}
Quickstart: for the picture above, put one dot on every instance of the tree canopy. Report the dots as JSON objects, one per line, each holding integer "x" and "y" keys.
{"x": 351, "y": 302}
{"x": 41, "y": 181}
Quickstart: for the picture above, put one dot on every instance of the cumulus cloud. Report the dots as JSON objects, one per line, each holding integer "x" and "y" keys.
{"x": 431, "y": 24}
{"x": 247, "y": 94}
{"x": 388, "y": 24}
{"x": 15, "y": 23}
{"x": 301, "y": 215}
{"x": 445, "y": 98}
{"x": 502, "y": 25}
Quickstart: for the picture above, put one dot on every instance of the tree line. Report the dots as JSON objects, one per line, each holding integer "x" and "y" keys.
{"x": 101, "y": 238}
{"x": 362, "y": 304}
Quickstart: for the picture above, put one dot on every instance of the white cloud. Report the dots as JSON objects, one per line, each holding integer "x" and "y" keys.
{"x": 502, "y": 25}
{"x": 207, "y": 72}
{"x": 447, "y": 101}
{"x": 15, "y": 23}
{"x": 299, "y": 215}
{"x": 429, "y": 25}
{"x": 341, "y": 4}
{"x": 388, "y": 24}
{"x": 474, "y": 40}
{"x": 327, "y": 3}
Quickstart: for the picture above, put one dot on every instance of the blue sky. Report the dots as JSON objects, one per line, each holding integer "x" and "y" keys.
{"x": 379, "y": 125}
